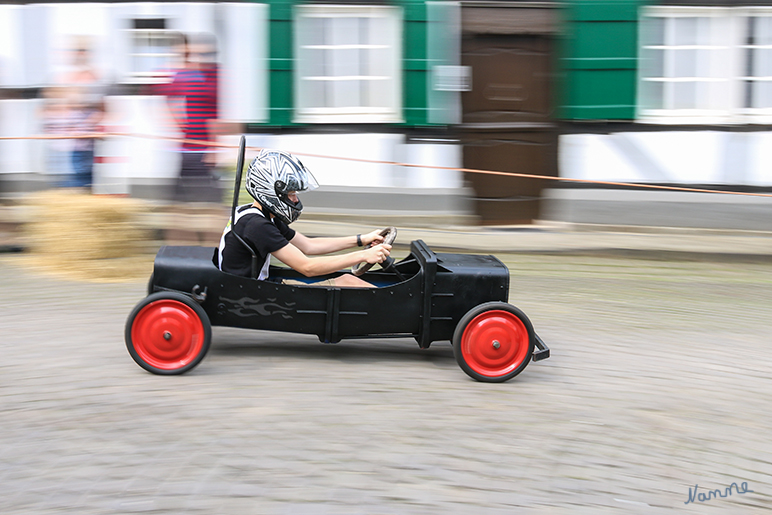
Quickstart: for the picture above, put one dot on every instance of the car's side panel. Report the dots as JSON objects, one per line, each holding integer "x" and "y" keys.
{"x": 329, "y": 313}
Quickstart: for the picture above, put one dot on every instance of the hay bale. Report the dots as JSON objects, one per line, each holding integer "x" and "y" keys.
{"x": 88, "y": 236}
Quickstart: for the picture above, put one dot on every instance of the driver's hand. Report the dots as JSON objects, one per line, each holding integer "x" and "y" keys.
{"x": 377, "y": 253}
{"x": 372, "y": 238}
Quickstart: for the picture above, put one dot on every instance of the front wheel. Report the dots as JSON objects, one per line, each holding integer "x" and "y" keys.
{"x": 168, "y": 333}
{"x": 493, "y": 342}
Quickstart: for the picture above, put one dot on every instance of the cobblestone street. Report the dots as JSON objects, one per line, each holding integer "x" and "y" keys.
{"x": 659, "y": 380}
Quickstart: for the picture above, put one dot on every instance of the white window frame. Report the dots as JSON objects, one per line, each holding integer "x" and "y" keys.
{"x": 390, "y": 109}
{"x": 155, "y": 76}
{"x": 716, "y": 108}
{"x": 725, "y": 82}
{"x": 751, "y": 114}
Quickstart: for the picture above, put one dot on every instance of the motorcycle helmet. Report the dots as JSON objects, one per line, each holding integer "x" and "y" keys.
{"x": 270, "y": 178}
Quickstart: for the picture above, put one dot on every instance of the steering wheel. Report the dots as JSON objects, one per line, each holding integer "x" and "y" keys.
{"x": 389, "y": 235}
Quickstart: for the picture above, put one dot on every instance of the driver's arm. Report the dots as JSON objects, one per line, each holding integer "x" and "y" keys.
{"x": 323, "y": 245}
{"x": 293, "y": 257}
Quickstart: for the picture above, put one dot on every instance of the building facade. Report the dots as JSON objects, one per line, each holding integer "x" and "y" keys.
{"x": 665, "y": 92}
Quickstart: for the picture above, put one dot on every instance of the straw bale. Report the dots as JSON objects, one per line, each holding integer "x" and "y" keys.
{"x": 87, "y": 236}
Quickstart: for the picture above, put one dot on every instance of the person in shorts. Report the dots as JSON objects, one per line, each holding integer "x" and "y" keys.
{"x": 274, "y": 179}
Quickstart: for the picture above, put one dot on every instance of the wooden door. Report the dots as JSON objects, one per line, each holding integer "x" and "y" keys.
{"x": 508, "y": 121}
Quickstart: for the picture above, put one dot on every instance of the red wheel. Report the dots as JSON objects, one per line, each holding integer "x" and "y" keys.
{"x": 168, "y": 333}
{"x": 493, "y": 342}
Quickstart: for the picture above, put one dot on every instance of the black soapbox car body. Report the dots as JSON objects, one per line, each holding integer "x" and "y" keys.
{"x": 428, "y": 296}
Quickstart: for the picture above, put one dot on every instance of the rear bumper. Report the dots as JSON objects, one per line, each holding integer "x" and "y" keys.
{"x": 542, "y": 351}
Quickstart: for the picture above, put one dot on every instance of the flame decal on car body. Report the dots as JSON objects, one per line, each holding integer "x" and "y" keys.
{"x": 248, "y": 307}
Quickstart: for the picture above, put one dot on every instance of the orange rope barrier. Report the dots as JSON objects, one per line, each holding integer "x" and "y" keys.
{"x": 213, "y": 144}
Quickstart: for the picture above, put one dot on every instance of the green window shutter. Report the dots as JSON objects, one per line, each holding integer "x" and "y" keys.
{"x": 416, "y": 71}
{"x": 599, "y": 59}
{"x": 280, "y": 66}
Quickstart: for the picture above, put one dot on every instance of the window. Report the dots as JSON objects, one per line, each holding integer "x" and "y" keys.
{"x": 155, "y": 51}
{"x": 348, "y": 64}
{"x": 757, "y": 79}
{"x": 705, "y": 65}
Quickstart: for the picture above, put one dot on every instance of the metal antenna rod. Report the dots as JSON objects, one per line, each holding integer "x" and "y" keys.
{"x": 239, "y": 169}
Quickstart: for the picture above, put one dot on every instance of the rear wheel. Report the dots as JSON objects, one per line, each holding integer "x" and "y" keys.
{"x": 168, "y": 333}
{"x": 493, "y": 342}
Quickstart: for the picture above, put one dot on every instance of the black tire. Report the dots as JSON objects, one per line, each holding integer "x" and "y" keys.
{"x": 493, "y": 342}
{"x": 168, "y": 333}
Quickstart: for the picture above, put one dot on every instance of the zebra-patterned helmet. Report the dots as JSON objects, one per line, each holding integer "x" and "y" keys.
{"x": 272, "y": 175}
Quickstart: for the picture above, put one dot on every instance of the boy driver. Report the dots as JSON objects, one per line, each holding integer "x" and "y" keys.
{"x": 273, "y": 179}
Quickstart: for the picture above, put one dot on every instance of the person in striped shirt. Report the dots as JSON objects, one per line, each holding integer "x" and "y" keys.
{"x": 192, "y": 96}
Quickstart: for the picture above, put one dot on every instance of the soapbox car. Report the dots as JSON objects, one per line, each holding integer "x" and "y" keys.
{"x": 427, "y": 296}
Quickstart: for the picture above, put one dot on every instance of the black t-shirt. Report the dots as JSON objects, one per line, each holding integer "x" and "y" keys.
{"x": 262, "y": 234}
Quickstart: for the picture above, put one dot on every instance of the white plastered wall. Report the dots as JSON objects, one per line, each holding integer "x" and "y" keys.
{"x": 367, "y": 159}
{"x": 684, "y": 157}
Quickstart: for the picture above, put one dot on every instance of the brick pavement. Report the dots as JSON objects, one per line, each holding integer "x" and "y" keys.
{"x": 659, "y": 380}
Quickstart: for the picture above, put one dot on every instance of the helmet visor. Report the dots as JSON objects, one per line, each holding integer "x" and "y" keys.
{"x": 296, "y": 181}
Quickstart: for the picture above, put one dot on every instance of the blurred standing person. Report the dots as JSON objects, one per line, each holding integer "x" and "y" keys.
{"x": 196, "y": 86}
{"x": 86, "y": 112}
{"x": 55, "y": 115}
